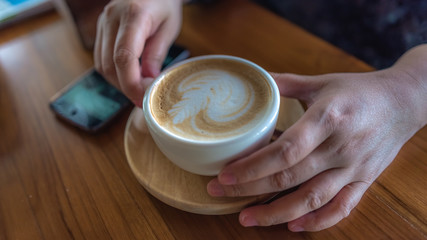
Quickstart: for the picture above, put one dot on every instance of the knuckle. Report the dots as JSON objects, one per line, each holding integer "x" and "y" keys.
{"x": 109, "y": 10}
{"x": 346, "y": 206}
{"x": 122, "y": 57}
{"x": 288, "y": 153}
{"x": 282, "y": 180}
{"x": 236, "y": 190}
{"x": 314, "y": 200}
{"x": 332, "y": 117}
{"x": 335, "y": 115}
{"x": 133, "y": 9}
{"x": 345, "y": 209}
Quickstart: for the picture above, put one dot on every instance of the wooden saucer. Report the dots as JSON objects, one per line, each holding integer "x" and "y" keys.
{"x": 177, "y": 187}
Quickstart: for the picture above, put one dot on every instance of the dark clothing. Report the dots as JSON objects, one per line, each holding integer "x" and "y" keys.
{"x": 376, "y": 31}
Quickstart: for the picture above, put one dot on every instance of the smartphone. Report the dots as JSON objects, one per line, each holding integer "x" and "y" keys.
{"x": 91, "y": 103}
{"x": 176, "y": 53}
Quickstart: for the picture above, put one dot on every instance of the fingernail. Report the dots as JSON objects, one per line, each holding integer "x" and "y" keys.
{"x": 215, "y": 189}
{"x": 138, "y": 103}
{"x": 296, "y": 228}
{"x": 248, "y": 221}
{"x": 227, "y": 178}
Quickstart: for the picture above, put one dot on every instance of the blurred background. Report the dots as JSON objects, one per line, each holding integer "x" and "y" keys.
{"x": 376, "y": 31}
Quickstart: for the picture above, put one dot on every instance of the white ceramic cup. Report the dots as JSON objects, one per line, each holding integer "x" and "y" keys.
{"x": 208, "y": 157}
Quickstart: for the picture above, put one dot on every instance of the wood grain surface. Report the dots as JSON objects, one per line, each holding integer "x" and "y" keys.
{"x": 57, "y": 182}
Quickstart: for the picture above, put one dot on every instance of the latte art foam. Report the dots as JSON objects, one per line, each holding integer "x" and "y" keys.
{"x": 211, "y": 100}
{"x": 221, "y": 95}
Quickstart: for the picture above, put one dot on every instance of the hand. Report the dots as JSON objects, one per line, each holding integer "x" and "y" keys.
{"x": 353, "y": 128}
{"x": 128, "y": 30}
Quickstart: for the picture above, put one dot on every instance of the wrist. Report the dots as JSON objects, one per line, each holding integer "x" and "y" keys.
{"x": 412, "y": 81}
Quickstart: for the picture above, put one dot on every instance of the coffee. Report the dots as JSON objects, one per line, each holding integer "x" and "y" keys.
{"x": 211, "y": 99}
{"x": 207, "y": 111}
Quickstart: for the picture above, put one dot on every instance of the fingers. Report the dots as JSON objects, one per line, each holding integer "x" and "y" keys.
{"x": 108, "y": 40}
{"x": 157, "y": 48}
{"x": 106, "y": 32}
{"x": 311, "y": 196}
{"x": 297, "y": 86}
{"x": 152, "y": 59}
{"x": 122, "y": 32}
{"x": 294, "y": 145}
{"x": 333, "y": 182}
{"x": 128, "y": 48}
{"x": 333, "y": 212}
{"x": 97, "y": 53}
{"x": 285, "y": 179}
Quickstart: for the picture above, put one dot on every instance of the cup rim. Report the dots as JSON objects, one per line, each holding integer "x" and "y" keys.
{"x": 272, "y": 112}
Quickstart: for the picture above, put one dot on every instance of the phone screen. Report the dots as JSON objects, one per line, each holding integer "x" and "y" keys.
{"x": 90, "y": 101}
{"x": 175, "y": 54}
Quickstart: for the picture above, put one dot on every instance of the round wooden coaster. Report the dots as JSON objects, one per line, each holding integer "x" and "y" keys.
{"x": 177, "y": 187}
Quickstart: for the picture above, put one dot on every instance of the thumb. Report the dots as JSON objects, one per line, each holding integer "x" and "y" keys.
{"x": 296, "y": 86}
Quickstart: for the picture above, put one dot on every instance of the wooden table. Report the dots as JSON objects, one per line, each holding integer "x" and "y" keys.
{"x": 57, "y": 182}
